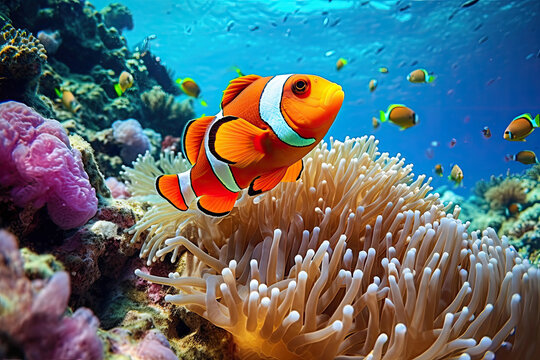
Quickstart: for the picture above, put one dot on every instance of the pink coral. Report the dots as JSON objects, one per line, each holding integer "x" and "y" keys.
{"x": 39, "y": 167}
{"x": 118, "y": 189}
{"x": 32, "y": 313}
{"x": 134, "y": 141}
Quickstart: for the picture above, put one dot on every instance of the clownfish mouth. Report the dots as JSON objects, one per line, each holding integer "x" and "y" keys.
{"x": 334, "y": 98}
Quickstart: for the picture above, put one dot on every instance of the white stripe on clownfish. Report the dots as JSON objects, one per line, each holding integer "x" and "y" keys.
{"x": 270, "y": 113}
{"x": 221, "y": 169}
{"x": 184, "y": 180}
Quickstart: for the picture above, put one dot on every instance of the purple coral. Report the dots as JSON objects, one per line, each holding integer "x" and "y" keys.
{"x": 130, "y": 134}
{"x": 39, "y": 167}
{"x": 33, "y": 313}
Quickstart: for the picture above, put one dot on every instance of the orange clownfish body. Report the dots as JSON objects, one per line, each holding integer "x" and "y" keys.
{"x": 258, "y": 139}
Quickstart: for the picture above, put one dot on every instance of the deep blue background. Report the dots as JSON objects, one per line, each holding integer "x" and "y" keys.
{"x": 489, "y": 82}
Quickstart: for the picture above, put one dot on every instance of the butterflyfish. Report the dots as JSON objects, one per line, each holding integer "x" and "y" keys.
{"x": 521, "y": 127}
{"x": 265, "y": 127}
{"x": 456, "y": 175}
{"x": 190, "y": 88}
{"x": 125, "y": 81}
{"x": 420, "y": 76}
{"x": 400, "y": 115}
{"x": 526, "y": 157}
{"x": 341, "y": 62}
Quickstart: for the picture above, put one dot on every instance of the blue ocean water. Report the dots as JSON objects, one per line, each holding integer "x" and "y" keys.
{"x": 486, "y": 58}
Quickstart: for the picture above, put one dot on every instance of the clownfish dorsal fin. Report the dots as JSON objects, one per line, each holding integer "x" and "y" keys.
{"x": 294, "y": 172}
{"x": 266, "y": 181}
{"x": 236, "y": 86}
{"x": 237, "y": 141}
{"x": 193, "y": 137}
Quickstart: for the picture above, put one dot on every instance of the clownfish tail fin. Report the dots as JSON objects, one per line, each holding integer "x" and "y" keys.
{"x": 176, "y": 189}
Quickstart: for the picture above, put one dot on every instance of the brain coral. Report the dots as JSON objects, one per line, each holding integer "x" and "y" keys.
{"x": 355, "y": 261}
{"x": 39, "y": 167}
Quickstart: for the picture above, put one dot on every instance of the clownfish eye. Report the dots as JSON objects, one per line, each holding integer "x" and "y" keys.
{"x": 300, "y": 86}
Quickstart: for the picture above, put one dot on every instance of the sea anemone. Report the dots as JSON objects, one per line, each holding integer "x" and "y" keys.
{"x": 356, "y": 259}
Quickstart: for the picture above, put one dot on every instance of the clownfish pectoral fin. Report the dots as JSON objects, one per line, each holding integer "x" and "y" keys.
{"x": 294, "y": 172}
{"x": 168, "y": 186}
{"x": 193, "y": 137}
{"x": 217, "y": 205}
{"x": 235, "y": 87}
{"x": 267, "y": 181}
{"x": 237, "y": 141}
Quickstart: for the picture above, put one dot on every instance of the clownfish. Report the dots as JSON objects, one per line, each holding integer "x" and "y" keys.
{"x": 265, "y": 127}
{"x": 420, "y": 76}
{"x": 400, "y": 115}
{"x": 125, "y": 81}
{"x": 190, "y": 88}
{"x": 521, "y": 127}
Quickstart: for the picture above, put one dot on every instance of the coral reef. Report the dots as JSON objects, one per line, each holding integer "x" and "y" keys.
{"x": 509, "y": 191}
{"x": 40, "y": 168}
{"x": 509, "y": 204}
{"x": 32, "y": 314}
{"x": 118, "y": 189}
{"x": 346, "y": 262}
{"x": 134, "y": 141}
{"x": 86, "y": 65}
{"x": 21, "y": 60}
{"x": 118, "y": 16}
{"x": 162, "y": 113}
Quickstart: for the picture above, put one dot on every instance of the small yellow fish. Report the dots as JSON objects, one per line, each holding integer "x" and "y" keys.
{"x": 341, "y": 63}
{"x": 372, "y": 85}
{"x": 190, "y": 88}
{"x": 68, "y": 100}
{"x": 375, "y": 122}
{"x": 521, "y": 127}
{"x": 438, "y": 169}
{"x": 400, "y": 115}
{"x": 420, "y": 76}
{"x": 456, "y": 175}
{"x": 125, "y": 81}
{"x": 383, "y": 70}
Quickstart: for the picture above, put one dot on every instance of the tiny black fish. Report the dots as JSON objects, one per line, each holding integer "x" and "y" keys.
{"x": 406, "y": 7}
{"x": 466, "y": 4}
